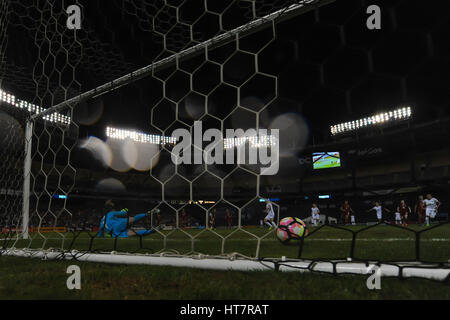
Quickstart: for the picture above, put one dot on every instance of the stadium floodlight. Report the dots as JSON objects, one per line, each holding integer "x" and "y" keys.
{"x": 229, "y": 143}
{"x": 32, "y": 108}
{"x": 400, "y": 114}
{"x": 122, "y": 134}
{"x": 254, "y": 141}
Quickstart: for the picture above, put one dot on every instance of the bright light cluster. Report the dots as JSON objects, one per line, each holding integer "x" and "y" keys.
{"x": 395, "y": 115}
{"x": 229, "y": 143}
{"x": 255, "y": 141}
{"x": 123, "y": 134}
{"x": 32, "y": 108}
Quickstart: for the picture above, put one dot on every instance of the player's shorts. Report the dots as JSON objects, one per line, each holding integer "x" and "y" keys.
{"x": 270, "y": 216}
{"x": 316, "y": 216}
{"x": 397, "y": 216}
{"x": 431, "y": 213}
{"x": 379, "y": 216}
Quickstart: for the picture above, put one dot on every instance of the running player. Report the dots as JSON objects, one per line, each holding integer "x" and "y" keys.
{"x": 379, "y": 210}
{"x": 157, "y": 218}
{"x": 270, "y": 215}
{"x": 117, "y": 223}
{"x": 346, "y": 210}
{"x": 404, "y": 211}
{"x": 212, "y": 219}
{"x": 431, "y": 206}
{"x": 228, "y": 218}
{"x": 315, "y": 214}
{"x": 419, "y": 209}
{"x": 183, "y": 218}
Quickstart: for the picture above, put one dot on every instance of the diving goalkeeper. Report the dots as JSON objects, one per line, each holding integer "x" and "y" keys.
{"x": 117, "y": 223}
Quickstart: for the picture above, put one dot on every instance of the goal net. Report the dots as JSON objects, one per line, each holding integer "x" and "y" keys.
{"x": 97, "y": 115}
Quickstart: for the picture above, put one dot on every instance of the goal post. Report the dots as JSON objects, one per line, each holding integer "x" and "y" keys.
{"x": 26, "y": 180}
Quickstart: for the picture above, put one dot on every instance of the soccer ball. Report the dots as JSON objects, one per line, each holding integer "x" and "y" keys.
{"x": 291, "y": 229}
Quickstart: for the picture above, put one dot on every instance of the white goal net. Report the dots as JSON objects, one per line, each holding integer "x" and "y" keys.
{"x": 89, "y": 117}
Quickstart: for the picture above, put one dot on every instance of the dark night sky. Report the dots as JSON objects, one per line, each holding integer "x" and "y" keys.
{"x": 330, "y": 67}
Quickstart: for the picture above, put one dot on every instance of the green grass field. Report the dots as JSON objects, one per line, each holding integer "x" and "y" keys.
{"x": 22, "y": 278}
{"x": 27, "y": 278}
{"x": 378, "y": 243}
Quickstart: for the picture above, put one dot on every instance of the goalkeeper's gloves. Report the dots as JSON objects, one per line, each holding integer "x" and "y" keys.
{"x": 156, "y": 210}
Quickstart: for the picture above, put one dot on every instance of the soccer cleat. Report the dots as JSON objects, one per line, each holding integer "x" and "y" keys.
{"x": 270, "y": 228}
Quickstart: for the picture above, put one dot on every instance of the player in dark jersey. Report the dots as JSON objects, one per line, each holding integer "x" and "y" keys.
{"x": 405, "y": 211}
{"x": 228, "y": 218}
{"x": 157, "y": 218}
{"x": 183, "y": 218}
{"x": 346, "y": 210}
{"x": 419, "y": 209}
{"x": 212, "y": 219}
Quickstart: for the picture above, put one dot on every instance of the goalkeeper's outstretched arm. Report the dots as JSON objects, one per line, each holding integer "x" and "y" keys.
{"x": 138, "y": 217}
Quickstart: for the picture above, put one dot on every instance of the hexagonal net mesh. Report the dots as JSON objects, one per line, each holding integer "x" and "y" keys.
{"x": 206, "y": 70}
{"x": 90, "y": 129}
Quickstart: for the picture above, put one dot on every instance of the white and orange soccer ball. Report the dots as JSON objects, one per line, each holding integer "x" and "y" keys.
{"x": 291, "y": 228}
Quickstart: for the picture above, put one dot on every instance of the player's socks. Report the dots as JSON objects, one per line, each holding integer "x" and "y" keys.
{"x": 144, "y": 232}
{"x": 274, "y": 224}
{"x": 268, "y": 223}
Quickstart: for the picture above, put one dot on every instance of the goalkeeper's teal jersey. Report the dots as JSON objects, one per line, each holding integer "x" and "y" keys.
{"x": 114, "y": 223}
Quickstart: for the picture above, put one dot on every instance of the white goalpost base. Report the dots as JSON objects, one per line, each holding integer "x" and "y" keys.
{"x": 410, "y": 270}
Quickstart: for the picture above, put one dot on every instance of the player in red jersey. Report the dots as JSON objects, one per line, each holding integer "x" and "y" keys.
{"x": 228, "y": 218}
{"x": 346, "y": 210}
{"x": 419, "y": 209}
{"x": 183, "y": 218}
{"x": 405, "y": 211}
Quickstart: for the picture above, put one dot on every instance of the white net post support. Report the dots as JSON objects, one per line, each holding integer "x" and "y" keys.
{"x": 26, "y": 181}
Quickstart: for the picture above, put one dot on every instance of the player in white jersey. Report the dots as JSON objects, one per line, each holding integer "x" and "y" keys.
{"x": 379, "y": 210}
{"x": 270, "y": 215}
{"x": 431, "y": 206}
{"x": 315, "y": 214}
